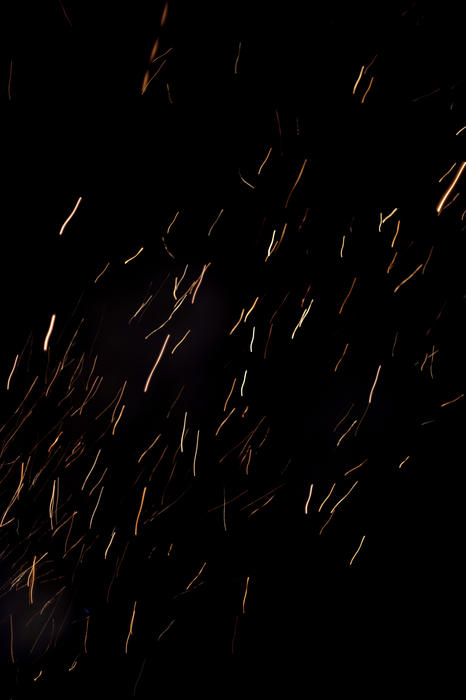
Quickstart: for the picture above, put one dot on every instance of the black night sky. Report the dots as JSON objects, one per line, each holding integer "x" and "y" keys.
{"x": 232, "y": 354}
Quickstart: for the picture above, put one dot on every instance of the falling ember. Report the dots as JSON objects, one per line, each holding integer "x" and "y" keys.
{"x": 49, "y": 332}
{"x": 140, "y": 510}
{"x": 66, "y": 222}
{"x": 159, "y": 357}
{"x": 444, "y": 198}
{"x": 357, "y": 551}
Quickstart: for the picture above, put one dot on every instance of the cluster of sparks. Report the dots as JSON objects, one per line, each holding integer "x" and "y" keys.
{"x": 64, "y": 476}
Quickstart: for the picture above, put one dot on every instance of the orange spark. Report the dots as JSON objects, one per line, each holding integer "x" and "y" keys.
{"x": 441, "y": 204}
{"x": 140, "y": 509}
{"x": 70, "y": 216}
{"x": 296, "y": 182}
{"x": 146, "y": 386}
{"x": 49, "y": 332}
{"x": 347, "y": 296}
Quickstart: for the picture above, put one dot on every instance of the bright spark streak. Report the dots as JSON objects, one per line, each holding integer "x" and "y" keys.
{"x": 172, "y": 222}
{"x": 356, "y": 467}
{"x": 441, "y": 204}
{"x": 110, "y": 543}
{"x": 396, "y": 234}
{"x": 225, "y": 420}
{"x": 196, "y": 576}
{"x": 117, "y": 420}
{"x": 146, "y": 386}
{"x": 266, "y": 159}
{"x": 101, "y": 273}
{"x": 447, "y": 403}
{"x": 91, "y": 469}
{"x": 449, "y": 170}
{"x": 237, "y": 324}
{"x": 405, "y": 460}
{"x": 346, "y": 432}
{"x": 134, "y": 256}
{"x": 252, "y": 338}
{"x": 326, "y": 498}
{"x": 229, "y": 395}
{"x": 296, "y": 182}
{"x": 308, "y": 499}
{"x": 130, "y": 627}
{"x": 357, "y": 81}
{"x": 382, "y": 221}
{"x": 270, "y": 246}
{"x": 342, "y": 356}
{"x": 343, "y": 498}
{"x": 96, "y": 506}
{"x": 183, "y": 431}
{"x": 140, "y": 510}
{"x": 407, "y": 279}
{"x": 11, "y": 373}
{"x": 178, "y": 344}
{"x": 195, "y": 453}
{"x": 375, "y": 382}
{"x": 244, "y": 381}
{"x": 347, "y": 296}
{"x": 370, "y": 85}
{"x": 70, "y": 216}
{"x": 49, "y": 332}
{"x": 245, "y": 594}
{"x": 357, "y": 551}
{"x": 149, "y": 448}
{"x": 303, "y": 316}
{"x": 342, "y": 246}
{"x": 218, "y": 217}
{"x": 252, "y": 307}
{"x": 245, "y": 181}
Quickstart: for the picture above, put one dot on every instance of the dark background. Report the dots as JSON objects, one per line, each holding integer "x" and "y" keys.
{"x": 75, "y": 124}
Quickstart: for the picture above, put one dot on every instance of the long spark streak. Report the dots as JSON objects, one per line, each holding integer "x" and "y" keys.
{"x": 444, "y": 198}
{"x": 146, "y": 386}
{"x": 357, "y": 551}
{"x": 49, "y": 332}
{"x": 66, "y": 222}
{"x": 140, "y": 510}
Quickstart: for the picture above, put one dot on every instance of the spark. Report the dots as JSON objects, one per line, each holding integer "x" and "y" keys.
{"x": 392, "y": 263}
{"x": 172, "y": 221}
{"x": 85, "y": 634}
{"x": 346, "y": 432}
{"x": 342, "y": 419}
{"x": 196, "y": 576}
{"x": 245, "y": 181}
{"x": 375, "y": 382}
{"x": 269, "y": 251}
{"x": 117, "y": 420}
{"x": 357, "y": 81}
{"x": 146, "y": 386}
{"x": 130, "y": 627}
{"x": 444, "y": 198}
{"x": 140, "y": 509}
{"x": 225, "y": 420}
{"x": 252, "y": 338}
{"x": 252, "y": 307}
{"x": 178, "y": 344}
{"x": 31, "y": 580}
{"x": 308, "y": 498}
{"x": 449, "y": 170}
{"x": 147, "y": 81}
{"x": 177, "y": 283}
{"x": 296, "y": 182}
{"x": 110, "y": 543}
{"x": 383, "y": 220}
{"x": 261, "y": 506}
{"x": 396, "y": 234}
{"x": 195, "y": 453}
{"x": 134, "y": 256}
{"x": 38, "y": 675}
{"x": 266, "y": 159}
{"x": 237, "y": 324}
{"x": 91, "y": 469}
{"x": 303, "y": 316}
{"x": 342, "y": 246}
{"x": 357, "y": 551}
{"x": 394, "y": 343}
{"x": 206, "y": 267}
{"x": 70, "y": 216}
{"x": 343, "y": 498}
{"x": 218, "y": 217}
{"x": 268, "y": 340}
{"x": 447, "y": 403}
{"x": 229, "y": 395}
{"x": 405, "y": 460}
{"x": 11, "y": 373}
{"x": 347, "y": 296}
{"x": 245, "y": 594}
{"x": 182, "y": 432}
{"x": 356, "y": 467}
{"x": 49, "y": 332}
{"x": 459, "y": 132}
{"x": 165, "y": 630}
{"x": 237, "y": 59}
{"x": 342, "y": 356}
{"x": 96, "y": 506}
{"x": 163, "y": 19}
{"x": 407, "y": 279}
{"x": 325, "y": 524}
{"x": 370, "y": 85}
{"x": 51, "y": 505}
{"x": 326, "y": 498}
{"x": 243, "y": 383}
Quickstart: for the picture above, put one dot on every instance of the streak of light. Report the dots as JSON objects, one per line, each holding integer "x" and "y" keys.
{"x": 12, "y": 654}
{"x": 206, "y": 267}
{"x": 163, "y": 19}
{"x": 303, "y": 316}
{"x": 357, "y": 551}
{"x": 175, "y": 401}
{"x": 370, "y": 64}
{"x": 70, "y": 216}
{"x": 303, "y": 220}
{"x": 85, "y": 635}
{"x": 140, "y": 509}
{"x": 346, "y": 432}
{"x": 396, "y": 234}
{"x": 386, "y": 218}
{"x": 342, "y": 356}
{"x": 343, "y": 497}
{"x": 243, "y": 382}
{"x": 11, "y": 373}
{"x": 183, "y": 431}
{"x": 245, "y": 181}
{"x": 308, "y": 499}
{"x": 49, "y": 332}
{"x": 196, "y": 576}
{"x": 52, "y": 498}
{"x": 252, "y": 338}
{"x": 130, "y": 627}
{"x": 91, "y": 469}
{"x": 173, "y": 221}
{"x": 268, "y": 340}
{"x": 177, "y": 283}
{"x": 459, "y": 132}
{"x": 147, "y": 81}
{"x": 143, "y": 305}
{"x": 237, "y": 59}
{"x": 407, "y": 279}
{"x": 218, "y": 217}
{"x": 266, "y": 159}
{"x": 277, "y": 116}
{"x": 279, "y": 307}
{"x": 98, "y": 483}
{"x": 165, "y": 630}
{"x": 101, "y": 273}
{"x": 229, "y": 395}
{"x": 356, "y": 467}
{"x": 36, "y": 678}
{"x": 30, "y": 581}
{"x": 296, "y": 182}
{"x": 342, "y": 246}
{"x": 195, "y": 453}
{"x": 73, "y": 665}
{"x": 448, "y": 171}
{"x": 325, "y": 524}
{"x": 326, "y": 498}
{"x": 237, "y": 324}
{"x": 225, "y": 420}
{"x": 245, "y": 594}
{"x": 179, "y": 343}
{"x": 146, "y": 386}
{"x": 252, "y": 307}
{"x": 261, "y": 506}
{"x": 134, "y": 256}
{"x": 69, "y": 22}
{"x": 96, "y": 506}
{"x": 405, "y": 460}
{"x": 444, "y": 198}
{"x": 110, "y": 543}
{"x": 365, "y": 94}
{"x": 270, "y": 250}
{"x": 394, "y": 343}
{"x": 347, "y": 296}
{"x": 447, "y": 403}
{"x": 375, "y": 382}
{"x": 451, "y": 202}
{"x": 342, "y": 419}
{"x": 392, "y": 263}
{"x": 117, "y": 420}
{"x": 357, "y": 81}
{"x": 231, "y": 500}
